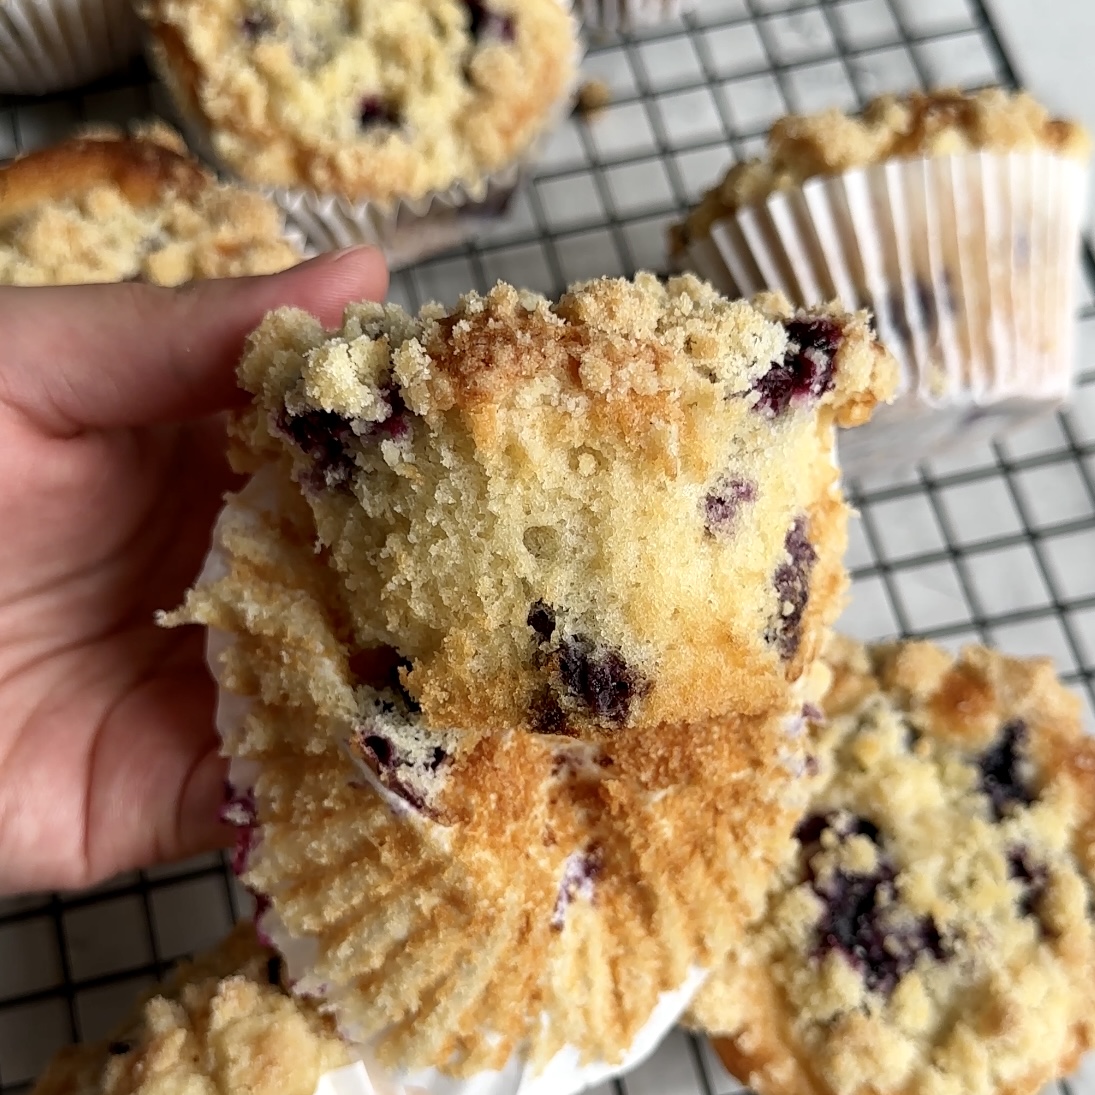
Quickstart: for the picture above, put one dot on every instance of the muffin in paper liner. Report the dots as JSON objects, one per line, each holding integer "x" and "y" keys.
{"x": 502, "y": 913}
{"x": 931, "y": 926}
{"x": 335, "y": 206}
{"x": 612, "y": 16}
{"x": 54, "y": 45}
{"x": 965, "y": 256}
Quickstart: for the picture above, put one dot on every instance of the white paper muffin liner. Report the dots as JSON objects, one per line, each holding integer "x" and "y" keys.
{"x": 407, "y": 230}
{"x": 563, "y": 1074}
{"x": 612, "y": 16}
{"x": 967, "y": 263}
{"x": 53, "y": 45}
{"x": 406, "y": 233}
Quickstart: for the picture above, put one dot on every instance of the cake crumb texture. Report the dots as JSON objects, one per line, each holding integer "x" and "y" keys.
{"x": 456, "y": 897}
{"x": 603, "y": 512}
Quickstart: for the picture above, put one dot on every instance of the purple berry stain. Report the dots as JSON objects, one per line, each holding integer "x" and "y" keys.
{"x": 857, "y": 920}
{"x": 484, "y": 22}
{"x": 595, "y": 675}
{"x": 393, "y": 769}
{"x": 541, "y": 618}
{"x": 598, "y": 677}
{"x": 241, "y": 811}
{"x": 396, "y": 426}
{"x": 580, "y": 873}
{"x": 806, "y": 371}
{"x": 373, "y": 112}
{"x": 724, "y": 503}
{"x": 548, "y": 716}
{"x": 792, "y": 585}
{"x": 810, "y": 829}
{"x": 1002, "y": 778}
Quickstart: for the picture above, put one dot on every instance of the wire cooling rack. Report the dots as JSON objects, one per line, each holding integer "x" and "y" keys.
{"x": 995, "y": 545}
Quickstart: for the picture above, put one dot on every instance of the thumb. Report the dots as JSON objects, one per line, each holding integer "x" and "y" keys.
{"x": 107, "y": 356}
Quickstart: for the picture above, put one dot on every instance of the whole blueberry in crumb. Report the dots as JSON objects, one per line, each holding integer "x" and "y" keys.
{"x": 1033, "y": 878}
{"x": 1002, "y": 776}
{"x": 484, "y": 22}
{"x": 722, "y": 505}
{"x": 326, "y": 439}
{"x": 792, "y": 585}
{"x": 809, "y": 830}
{"x": 580, "y": 872}
{"x": 858, "y": 923}
{"x": 541, "y": 618}
{"x": 255, "y": 25}
{"x": 599, "y": 677}
{"x": 374, "y": 112}
{"x": 118, "y": 1049}
{"x": 806, "y": 371}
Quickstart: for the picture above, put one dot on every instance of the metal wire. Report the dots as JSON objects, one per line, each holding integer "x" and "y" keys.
{"x": 688, "y": 97}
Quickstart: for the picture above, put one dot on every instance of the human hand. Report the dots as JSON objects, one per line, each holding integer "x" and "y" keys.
{"x": 112, "y": 448}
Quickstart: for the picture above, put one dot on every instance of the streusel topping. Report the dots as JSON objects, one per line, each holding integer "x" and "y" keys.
{"x": 932, "y": 927}
{"x": 379, "y": 100}
{"x": 220, "y": 1025}
{"x": 938, "y": 123}
{"x": 107, "y": 208}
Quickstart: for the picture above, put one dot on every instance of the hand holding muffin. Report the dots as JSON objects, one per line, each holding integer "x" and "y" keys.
{"x": 115, "y": 471}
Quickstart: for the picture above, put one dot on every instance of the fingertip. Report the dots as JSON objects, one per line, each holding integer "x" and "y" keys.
{"x": 333, "y": 280}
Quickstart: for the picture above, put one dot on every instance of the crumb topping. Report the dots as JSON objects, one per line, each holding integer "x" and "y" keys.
{"x": 218, "y": 1026}
{"x": 376, "y": 101}
{"x": 933, "y": 920}
{"x": 109, "y": 208}
{"x": 938, "y": 123}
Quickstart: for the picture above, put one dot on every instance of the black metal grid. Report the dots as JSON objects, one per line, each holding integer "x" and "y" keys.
{"x": 993, "y": 546}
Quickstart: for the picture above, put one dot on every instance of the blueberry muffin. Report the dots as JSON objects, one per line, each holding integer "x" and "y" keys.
{"x": 220, "y": 1025}
{"x": 107, "y": 207}
{"x": 931, "y": 929}
{"x": 955, "y": 218}
{"x": 614, "y": 510}
{"x": 381, "y": 101}
{"x": 472, "y": 900}
{"x": 922, "y": 124}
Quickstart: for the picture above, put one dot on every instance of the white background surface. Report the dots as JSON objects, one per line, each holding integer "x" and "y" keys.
{"x": 996, "y": 545}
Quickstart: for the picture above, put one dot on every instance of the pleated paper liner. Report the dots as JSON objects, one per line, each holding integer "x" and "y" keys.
{"x": 406, "y": 233}
{"x": 406, "y": 230}
{"x": 531, "y": 913}
{"x": 54, "y": 45}
{"x": 613, "y": 16}
{"x": 967, "y": 263}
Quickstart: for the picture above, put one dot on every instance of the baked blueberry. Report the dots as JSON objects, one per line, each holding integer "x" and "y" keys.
{"x": 806, "y": 371}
